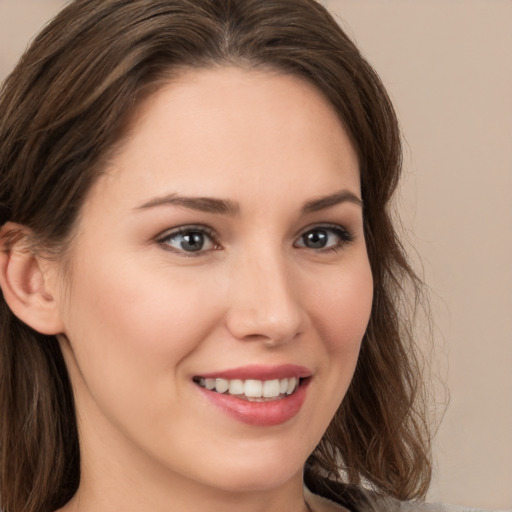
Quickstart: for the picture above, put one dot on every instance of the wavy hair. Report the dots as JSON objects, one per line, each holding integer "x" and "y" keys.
{"x": 62, "y": 111}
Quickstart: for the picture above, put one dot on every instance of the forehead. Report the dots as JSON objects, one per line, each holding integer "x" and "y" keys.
{"x": 223, "y": 130}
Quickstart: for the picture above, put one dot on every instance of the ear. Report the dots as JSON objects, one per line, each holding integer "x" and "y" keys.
{"x": 26, "y": 281}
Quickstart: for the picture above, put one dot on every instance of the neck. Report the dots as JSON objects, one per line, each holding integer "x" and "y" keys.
{"x": 141, "y": 497}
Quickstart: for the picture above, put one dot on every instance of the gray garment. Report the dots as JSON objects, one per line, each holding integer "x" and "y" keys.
{"x": 440, "y": 507}
{"x": 369, "y": 501}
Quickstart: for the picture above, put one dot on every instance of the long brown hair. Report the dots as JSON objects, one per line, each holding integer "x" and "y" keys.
{"x": 61, "y": 112}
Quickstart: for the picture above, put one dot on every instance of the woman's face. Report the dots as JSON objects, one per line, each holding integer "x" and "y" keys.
{"x": 222, "y": 247}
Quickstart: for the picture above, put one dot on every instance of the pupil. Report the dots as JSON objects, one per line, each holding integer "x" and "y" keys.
{"x": 193, "y": 241}
{"x": 315, "y": 239}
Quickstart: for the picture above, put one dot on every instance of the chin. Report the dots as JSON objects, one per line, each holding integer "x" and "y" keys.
{"x": 268, "y": 469}
{"x": 256, "y": 479}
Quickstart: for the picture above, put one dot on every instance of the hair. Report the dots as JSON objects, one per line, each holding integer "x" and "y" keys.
{"x": 62, "y": 111}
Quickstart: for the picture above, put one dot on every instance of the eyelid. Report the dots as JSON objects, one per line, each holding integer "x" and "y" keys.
{"x": 347, "y": 238}
{"x": 185, "y": 228}
{"x": 324, "y": 225}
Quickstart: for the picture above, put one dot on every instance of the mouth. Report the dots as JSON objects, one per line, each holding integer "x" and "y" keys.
{"x": 252, "y": 390}
{"x": 257, "y": 395}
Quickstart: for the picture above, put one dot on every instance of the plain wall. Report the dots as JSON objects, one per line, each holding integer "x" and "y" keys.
{"x": 448, "y": 68}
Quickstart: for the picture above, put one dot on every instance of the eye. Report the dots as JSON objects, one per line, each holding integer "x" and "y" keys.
{"x": 324, "y": 238}
{"x": 189, "y": 239}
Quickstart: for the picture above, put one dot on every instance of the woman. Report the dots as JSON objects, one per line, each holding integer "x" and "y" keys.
{"x": 201, "y": 282}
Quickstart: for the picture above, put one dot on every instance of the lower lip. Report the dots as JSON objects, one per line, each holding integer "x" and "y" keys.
{"x": 262, "y": 414}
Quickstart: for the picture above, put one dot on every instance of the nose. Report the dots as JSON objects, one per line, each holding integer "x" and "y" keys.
{"x": 265, "y": 302}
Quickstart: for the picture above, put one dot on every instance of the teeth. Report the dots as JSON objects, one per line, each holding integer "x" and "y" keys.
{"x": 251, "y": 388}
{"x": 236, "y": 387}
{"x": 292, "y": 384}
{"x": 271, "y": 388}
{"x": 221, "y": 385}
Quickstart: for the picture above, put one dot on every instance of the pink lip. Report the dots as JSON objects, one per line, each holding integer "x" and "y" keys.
{"x": 260, "y": 372}
{"x": 263, "y": 414}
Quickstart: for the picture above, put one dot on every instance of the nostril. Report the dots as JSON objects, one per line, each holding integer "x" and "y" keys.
{"x": 255, "y": 337}
{"x": 268, "y": 327}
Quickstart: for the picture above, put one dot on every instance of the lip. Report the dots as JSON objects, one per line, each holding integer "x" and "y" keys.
{"x": 262, "y": 414}
{"x": 261, "y": 372}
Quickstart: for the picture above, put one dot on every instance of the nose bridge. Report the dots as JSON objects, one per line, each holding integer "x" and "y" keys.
{"x": 264, "y": 302}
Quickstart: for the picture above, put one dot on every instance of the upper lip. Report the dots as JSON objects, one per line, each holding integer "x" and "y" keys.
{"x": 260, "y": 372}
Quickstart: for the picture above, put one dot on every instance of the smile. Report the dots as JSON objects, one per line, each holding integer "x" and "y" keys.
{"x": 257, "y": 395}
{"x": 252, "y": 390}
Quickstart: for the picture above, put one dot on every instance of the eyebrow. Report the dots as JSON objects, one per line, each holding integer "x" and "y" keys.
{"x": 226, "y": 207}
{"x": 343, "y": 196}
{"x": 203, "y": 204}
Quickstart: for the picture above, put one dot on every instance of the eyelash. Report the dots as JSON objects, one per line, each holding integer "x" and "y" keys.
{"x": 344, "y": 236}
{"x": 184, "y": 230}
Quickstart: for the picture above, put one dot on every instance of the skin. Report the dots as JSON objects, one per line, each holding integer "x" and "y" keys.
{"x": 141, "y": 317}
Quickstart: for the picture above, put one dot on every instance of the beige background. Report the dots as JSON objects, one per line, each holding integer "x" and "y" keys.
{"x": 448, "y": 66}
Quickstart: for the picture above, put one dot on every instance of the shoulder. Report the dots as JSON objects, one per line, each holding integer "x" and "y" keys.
{"x": 367, "y": 501}
{"x": 325, "y": 495}
{"x": 321, "y": 504}
{"x": 438, "y": 507}
{"x": 318, "y": 503}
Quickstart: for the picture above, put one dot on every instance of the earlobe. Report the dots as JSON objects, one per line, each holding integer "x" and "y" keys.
{"x": 24, "y": 280}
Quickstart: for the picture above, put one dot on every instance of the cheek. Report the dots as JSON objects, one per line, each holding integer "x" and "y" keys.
{"x": 342, "y": 310}
{"x": 124, "y": 321}
{"x": 130, "y": 332}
